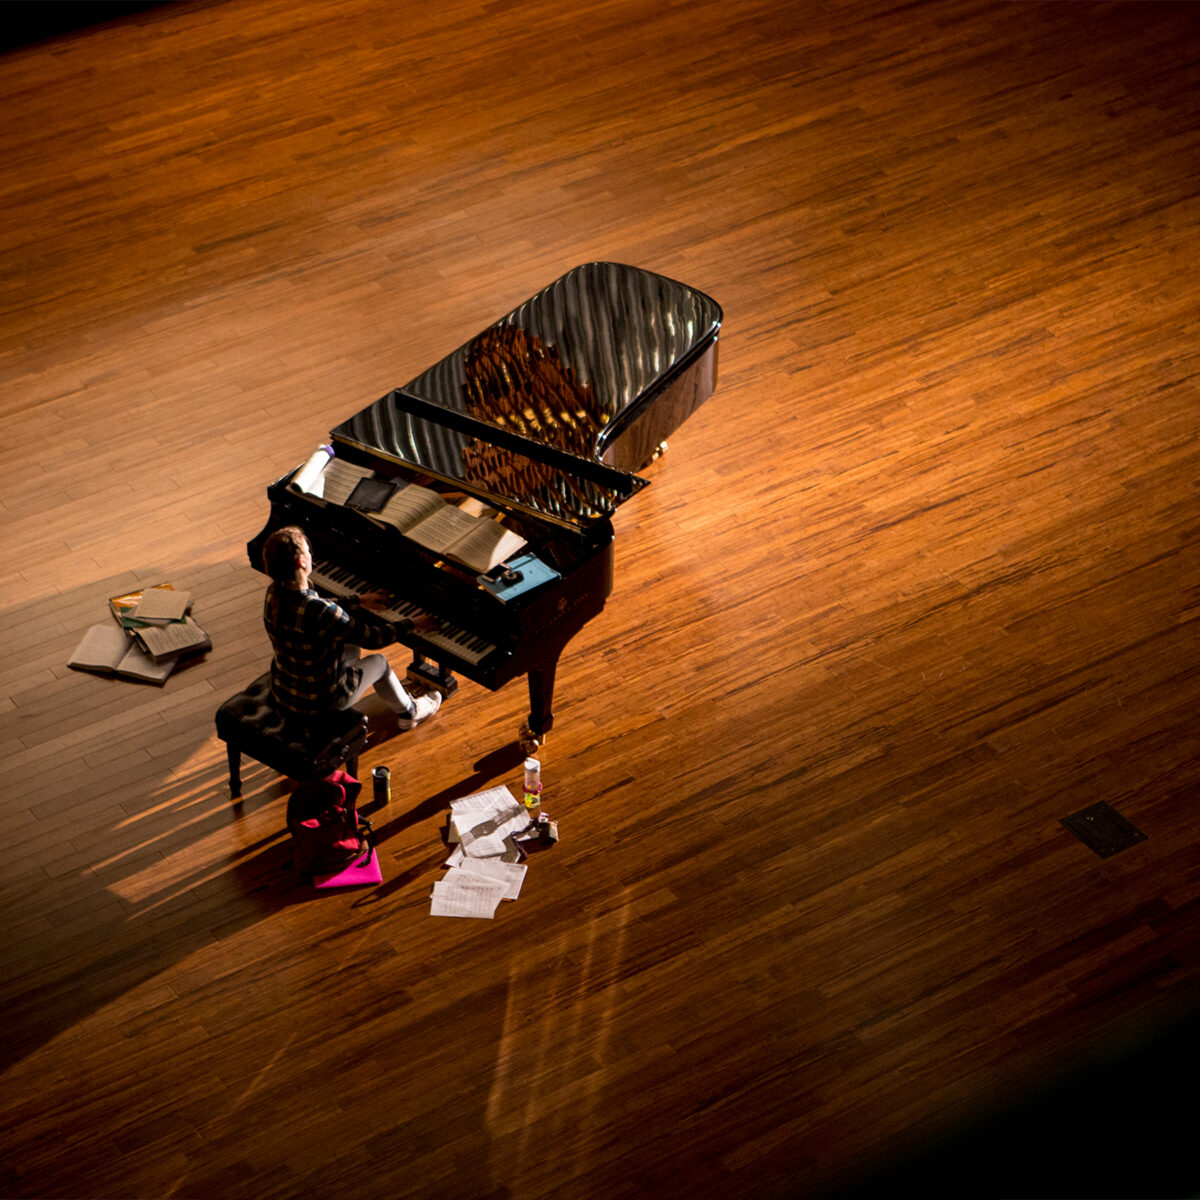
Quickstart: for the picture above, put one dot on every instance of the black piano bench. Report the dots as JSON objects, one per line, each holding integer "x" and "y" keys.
{"x": 249, "y": 723}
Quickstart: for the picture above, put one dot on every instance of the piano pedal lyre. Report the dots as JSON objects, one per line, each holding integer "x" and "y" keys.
{"x": 433, "y": 675}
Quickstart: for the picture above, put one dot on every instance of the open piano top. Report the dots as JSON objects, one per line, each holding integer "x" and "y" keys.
{"x": 545, "y": 416}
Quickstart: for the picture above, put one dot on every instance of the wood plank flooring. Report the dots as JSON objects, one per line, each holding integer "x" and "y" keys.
{"x": 919, "y": 581}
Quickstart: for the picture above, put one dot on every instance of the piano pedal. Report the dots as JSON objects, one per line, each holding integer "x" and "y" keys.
{"x": 433, "y": 676}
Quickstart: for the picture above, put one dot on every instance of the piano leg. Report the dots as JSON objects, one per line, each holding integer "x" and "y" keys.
{"x": 541, "y": 696}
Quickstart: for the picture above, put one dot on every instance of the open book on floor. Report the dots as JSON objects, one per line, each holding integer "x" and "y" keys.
{"x": 108, "y": 650}
{"x": 171, "y": 641}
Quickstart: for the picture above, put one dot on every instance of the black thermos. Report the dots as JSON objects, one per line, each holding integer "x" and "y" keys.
{"x": 383, "y": 785}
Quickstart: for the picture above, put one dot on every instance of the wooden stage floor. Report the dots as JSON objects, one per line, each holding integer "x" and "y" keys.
{"x": 920, "y": 581}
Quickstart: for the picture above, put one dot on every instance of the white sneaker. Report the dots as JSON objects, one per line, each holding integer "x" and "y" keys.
{"x": 423, "y": 706}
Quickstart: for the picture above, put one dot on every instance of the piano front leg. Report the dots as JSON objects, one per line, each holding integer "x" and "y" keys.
{"x": 541, "y": 697}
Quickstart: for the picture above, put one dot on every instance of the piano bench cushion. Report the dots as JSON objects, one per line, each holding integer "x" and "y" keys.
{"x": 250, "y": 723}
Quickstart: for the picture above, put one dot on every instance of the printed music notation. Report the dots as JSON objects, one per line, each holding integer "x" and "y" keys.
{"x": 477, "y": 540}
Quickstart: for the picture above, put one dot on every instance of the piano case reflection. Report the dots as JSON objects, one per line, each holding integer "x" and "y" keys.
{"x": 545, "y": 417}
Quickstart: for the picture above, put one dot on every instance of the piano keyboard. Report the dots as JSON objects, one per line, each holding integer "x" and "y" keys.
{"x": 341, "y": 583}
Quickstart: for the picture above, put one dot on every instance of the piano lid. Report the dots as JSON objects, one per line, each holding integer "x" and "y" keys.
{"x": 494, "y": 464}
{"x": 520, "y": 413}
{"x": 570, "y": 366}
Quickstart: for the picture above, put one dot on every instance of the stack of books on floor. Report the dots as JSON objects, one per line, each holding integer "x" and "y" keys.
{"x": 150, "y": 632}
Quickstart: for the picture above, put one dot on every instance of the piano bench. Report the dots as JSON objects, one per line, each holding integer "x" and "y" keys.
{"x": 250, "y": 724}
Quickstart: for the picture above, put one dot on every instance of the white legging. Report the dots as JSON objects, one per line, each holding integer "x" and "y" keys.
{"x": 377, "y": 673}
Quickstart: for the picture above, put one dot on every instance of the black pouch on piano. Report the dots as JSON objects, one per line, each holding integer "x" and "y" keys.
{"x": 370, "y": 494}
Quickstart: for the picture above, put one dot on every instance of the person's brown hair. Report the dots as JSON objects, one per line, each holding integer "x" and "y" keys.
{"x": 281, "y": 553}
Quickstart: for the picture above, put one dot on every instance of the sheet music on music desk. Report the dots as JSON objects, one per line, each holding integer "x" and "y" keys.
{"x": 340, "y": 478}
{"x": 478, "y": 542}
{"x": 409, "y": 505}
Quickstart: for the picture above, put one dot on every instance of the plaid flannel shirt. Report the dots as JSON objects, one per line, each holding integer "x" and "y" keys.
{"x": 308, "y": 634}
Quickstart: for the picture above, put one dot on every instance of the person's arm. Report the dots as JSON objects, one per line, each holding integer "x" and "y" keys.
{"x": 376, "y": 600}
{"x": 371, "y": 634}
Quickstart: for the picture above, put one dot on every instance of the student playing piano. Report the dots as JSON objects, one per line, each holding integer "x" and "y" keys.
{"x": 318, "y": 664}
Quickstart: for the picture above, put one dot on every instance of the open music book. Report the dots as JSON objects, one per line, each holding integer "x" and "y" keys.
{"x": 420, "y": 513}
{"x": 327, "y": 477}
{"x": 409, "y": 505}
{"x": 109, "y": 650}
{"x": 170, "y": 641}
{"x": 476, "y": 542}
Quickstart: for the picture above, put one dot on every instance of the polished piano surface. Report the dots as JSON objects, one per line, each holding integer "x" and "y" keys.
{"x": 543, "y": 419}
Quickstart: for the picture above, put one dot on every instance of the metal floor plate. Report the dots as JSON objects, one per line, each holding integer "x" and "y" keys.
{"x": 1103, "y": 829}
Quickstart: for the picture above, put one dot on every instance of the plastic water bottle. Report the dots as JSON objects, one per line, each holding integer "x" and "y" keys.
{"x": 533, "y": 775}
{"x": 533, "y": 788}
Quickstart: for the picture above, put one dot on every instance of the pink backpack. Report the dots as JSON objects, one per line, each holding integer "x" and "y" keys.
{"x": 327, "y": 833}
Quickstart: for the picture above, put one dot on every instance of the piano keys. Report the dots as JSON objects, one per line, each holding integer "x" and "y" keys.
{"x": 544, "y": 418}
{"x": 342, "y": 584}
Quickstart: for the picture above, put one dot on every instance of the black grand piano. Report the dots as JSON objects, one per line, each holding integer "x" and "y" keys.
{"x": 538, "y": 424}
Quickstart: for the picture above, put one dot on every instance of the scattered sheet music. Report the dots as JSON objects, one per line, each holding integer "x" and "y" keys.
{"x": 484, "y": 867}
{"x": 471, "y": 891}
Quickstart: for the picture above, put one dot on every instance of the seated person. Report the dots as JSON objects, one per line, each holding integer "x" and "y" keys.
{"x": 318, "y": 664}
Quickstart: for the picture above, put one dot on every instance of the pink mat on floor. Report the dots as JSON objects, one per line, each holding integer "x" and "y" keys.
{"x": 359, "y": 874}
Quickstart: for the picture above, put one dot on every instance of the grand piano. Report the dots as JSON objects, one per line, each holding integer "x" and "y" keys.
{"x": 539, "y": 423}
